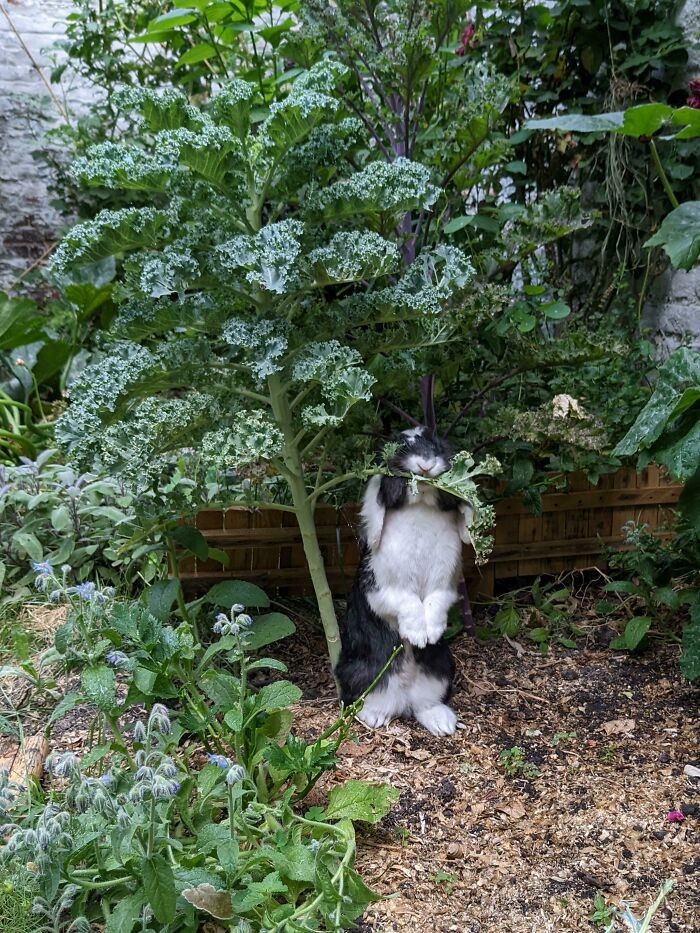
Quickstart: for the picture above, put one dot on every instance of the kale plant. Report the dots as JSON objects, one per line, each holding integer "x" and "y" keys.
{"x": 262, "y": 293}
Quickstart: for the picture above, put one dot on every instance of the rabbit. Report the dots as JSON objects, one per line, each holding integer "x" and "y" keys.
{"x": 410, "y": 568}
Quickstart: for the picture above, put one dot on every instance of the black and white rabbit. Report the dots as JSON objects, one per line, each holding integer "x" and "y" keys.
{"x": 409, "y": 571}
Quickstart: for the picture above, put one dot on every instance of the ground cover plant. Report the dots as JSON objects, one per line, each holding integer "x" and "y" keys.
{"x": 189, "y": 811}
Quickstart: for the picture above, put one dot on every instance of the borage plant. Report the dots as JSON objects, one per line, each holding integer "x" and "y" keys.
{"x": 262, "y": 298}
{"x": 150, "y": 828}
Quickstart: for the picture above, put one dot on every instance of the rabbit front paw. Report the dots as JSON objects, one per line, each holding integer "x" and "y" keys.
{"x": 412, "y": 628}
{"x": 436, "y": 609}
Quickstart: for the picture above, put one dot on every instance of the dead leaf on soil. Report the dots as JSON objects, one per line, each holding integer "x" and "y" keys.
{"x": 619, "y": 726}
{"x": 515, "y": 810}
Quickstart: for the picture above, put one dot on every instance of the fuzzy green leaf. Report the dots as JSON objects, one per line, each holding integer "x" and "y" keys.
{"x": 359, "y": 800}
{"x": 99, "y": 686}
{"x": 159, "y": 886}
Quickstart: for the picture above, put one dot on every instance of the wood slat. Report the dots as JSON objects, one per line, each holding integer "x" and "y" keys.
{"x": 575, "y": 526}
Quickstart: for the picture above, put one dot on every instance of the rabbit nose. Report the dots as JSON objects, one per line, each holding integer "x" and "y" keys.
{"x": 425, "y": 466}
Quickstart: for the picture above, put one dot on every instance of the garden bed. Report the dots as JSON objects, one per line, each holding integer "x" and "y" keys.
{"x": 469, "y": 849}
{"x": 572, "y": 532}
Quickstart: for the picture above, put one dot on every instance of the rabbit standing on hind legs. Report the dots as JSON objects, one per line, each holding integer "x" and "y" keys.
{"x": 409, "y": 571}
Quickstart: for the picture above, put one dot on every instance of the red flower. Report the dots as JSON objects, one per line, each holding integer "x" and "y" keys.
{"x": 694, "y": 98}
{"x": 675, "y": 816}
{"x": 466, "y": 39}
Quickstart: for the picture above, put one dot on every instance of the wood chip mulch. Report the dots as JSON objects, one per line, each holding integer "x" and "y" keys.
{"x": 468, "y": 849}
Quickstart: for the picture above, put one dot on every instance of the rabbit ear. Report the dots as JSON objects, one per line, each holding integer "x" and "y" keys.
{"x": 464, "y": 519}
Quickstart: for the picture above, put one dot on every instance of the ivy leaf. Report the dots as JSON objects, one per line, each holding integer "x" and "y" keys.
{"x": 635, "y": 630}
{"x": 359, "y": 800}
{"x": 98, "y": 683}
{"x": 679, "y": 235}
{"x": 159, "y": 886}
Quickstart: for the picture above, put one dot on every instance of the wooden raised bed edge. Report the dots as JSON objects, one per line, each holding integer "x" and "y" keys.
{"x": 571, "y": 533}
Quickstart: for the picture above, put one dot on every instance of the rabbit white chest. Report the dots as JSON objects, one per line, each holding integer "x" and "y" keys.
{"x": 420, "y": 549}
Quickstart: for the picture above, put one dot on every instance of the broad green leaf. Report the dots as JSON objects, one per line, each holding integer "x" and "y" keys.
{"x": 222, "y": 688}
{"x": 689, "y": 119}
{"x": 277, "y": 695}
{"x": 269, "y": 628}
{"x": 64, "y": 706}
{"x": 556, "y": 310}
{"x": 20, "y": 322}
{"x": 680, "y": 372}
{"x": 645, "y": 119}
{"x": 29, "y": 543}
{"x": 232, "y": 592}
{"x": 269, "y": 664}
{"x": 171, "y": 19}
{"x": 358, "y": 800}
{"x": 679, "y": 449}
{"x": 234, "y": 719}
{"x": 578, "y": 123}
{"x": 198, "y": 53}
{"x": 94, "y": 756}
{"x": 257, "y": 892}
{"x": 192, "y": 539}
{"x": 160, "y": 598}
{"x": 679, "y": 235}
{"x": 98, "y": 683}
{"x": 159, "y": 887}
{"x": 144, "y": 680}
{"x": 689, "y": 501}
{"x": 212, "y": 835}
{"x": 125, "y": 913}
{"x": 635, "y": 630}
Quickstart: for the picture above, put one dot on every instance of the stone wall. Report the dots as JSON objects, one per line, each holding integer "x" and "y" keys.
{"x": 28, "y": 225}
{"x": 672, "y": 310}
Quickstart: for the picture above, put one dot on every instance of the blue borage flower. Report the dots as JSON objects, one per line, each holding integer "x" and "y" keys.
{"x": 117, "y": 659}
{"x": 42, "y": 567}
{"x": 221, "y": 761}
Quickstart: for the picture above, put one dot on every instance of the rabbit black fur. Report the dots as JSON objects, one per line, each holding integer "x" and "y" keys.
{"x": 407, "y": 581}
